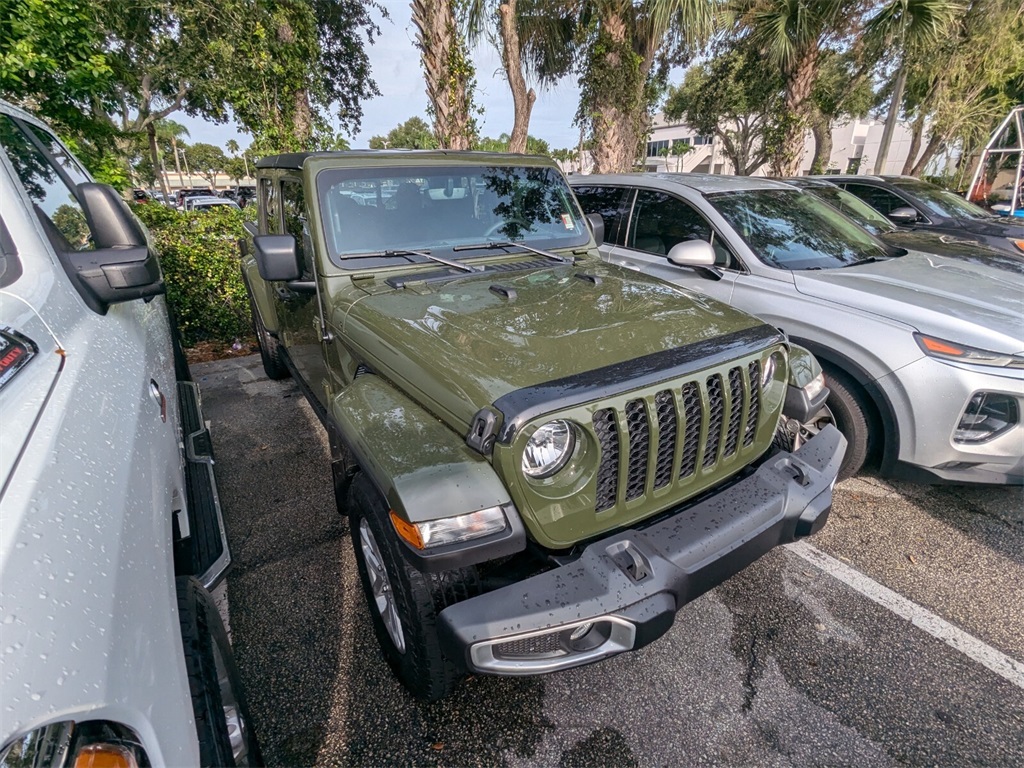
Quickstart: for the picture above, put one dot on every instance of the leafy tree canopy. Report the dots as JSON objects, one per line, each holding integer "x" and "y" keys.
{"x": 414, "y": 133}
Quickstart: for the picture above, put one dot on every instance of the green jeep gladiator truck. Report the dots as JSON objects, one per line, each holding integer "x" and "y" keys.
{"x": 542, "y": 456}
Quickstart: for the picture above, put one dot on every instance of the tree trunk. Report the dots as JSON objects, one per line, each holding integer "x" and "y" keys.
{"x": 303, "y": 120}
{"x": 615, "y": 126}
{"x": 522, "y": 98}
{"x": 154, "y": 158}
{"x": 447, "y": 70}
{"x": 821, "y": 127}
{"x": 935, "y": 142}
{"x": 890, "y": 120}
{"x": 789, "y": 154}
{"x": 177, "y": 160}
{"x": 916, "y": 133}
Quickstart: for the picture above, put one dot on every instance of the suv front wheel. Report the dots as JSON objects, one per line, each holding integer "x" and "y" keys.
{"x": 404, "y": 603}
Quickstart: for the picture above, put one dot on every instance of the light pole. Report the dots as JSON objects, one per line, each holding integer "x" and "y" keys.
{"x": 188, "y": 173}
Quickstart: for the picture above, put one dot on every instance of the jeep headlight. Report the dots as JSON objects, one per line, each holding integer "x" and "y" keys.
{"x": 451, "y": 530}
{"x": 549, "y": 449}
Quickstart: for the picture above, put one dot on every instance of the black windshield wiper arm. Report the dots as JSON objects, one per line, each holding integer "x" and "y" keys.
{"x": 858, "y": 262}
{"x": 405, "y": 253}
{"x": 490, "y": 246}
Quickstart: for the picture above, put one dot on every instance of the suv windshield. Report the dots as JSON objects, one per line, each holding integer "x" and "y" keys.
{"x": 940, "y": 201}
{"x": 793, "y": 230}
{"x": 431, "y": 208}
{"x": 855, "y": 208}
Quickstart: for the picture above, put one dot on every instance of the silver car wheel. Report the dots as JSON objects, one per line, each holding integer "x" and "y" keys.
{"x": 380, "y": 584}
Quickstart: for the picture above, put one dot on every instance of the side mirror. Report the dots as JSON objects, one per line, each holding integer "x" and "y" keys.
{"x": 277, "y": 258}
{"x": 692, "y": 253}
{"x": 903, "y": 215}
{"x": 596, "y": 222}
{"x": 122, "y": 267}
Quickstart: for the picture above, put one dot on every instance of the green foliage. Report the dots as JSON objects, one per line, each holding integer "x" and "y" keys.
{"x": 414, "y": 133}
{"x": 734, "y": 97}
{"x": 534, "y": 146}
{"x": 199, "y": 257}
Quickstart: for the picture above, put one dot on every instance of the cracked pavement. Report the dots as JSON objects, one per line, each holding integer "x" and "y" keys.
{"x": 783, "y": 665}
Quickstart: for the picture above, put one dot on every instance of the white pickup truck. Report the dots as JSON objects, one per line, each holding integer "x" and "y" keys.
{"x": 111, "y": 650}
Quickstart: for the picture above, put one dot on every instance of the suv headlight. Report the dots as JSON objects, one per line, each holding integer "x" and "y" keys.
{"x": 949, "y": 350}
{"x": 69, "y": 745}
{"x": 451, "y": 530}
{"x": 549, "y": 449}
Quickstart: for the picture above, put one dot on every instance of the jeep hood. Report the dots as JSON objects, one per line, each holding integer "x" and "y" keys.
{"x": 953, "y": 299}
{"x": 457, "y": 346}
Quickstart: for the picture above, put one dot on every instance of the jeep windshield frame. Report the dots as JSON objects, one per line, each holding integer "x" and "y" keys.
{"x": 370, "y": 214}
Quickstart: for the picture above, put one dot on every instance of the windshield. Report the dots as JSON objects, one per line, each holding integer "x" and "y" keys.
{"x": 430, "y": 208}
{"x": 793, "y": 230}
{"x": 855, "y": 208}
{"x": 941, "y": 202}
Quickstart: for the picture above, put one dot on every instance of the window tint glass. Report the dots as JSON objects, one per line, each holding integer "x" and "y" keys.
{"x": 54, "y": 202}
{"x": 74, "y": 171}
{"x": 293, "y": 203}
{"x": 368, "y": 211}
{"x": 605, "y": 201}
{"x": 794, "y": 230}
{"x": 942, "y": 202}
{"x": 270, "y": 207}
{"x": 855, "y": 208}
{"x": 660, "y": 221}
{"x": 878, "y": 198}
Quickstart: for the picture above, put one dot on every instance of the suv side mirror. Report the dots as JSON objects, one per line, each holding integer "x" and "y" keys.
{"x": 692, "y": 253}
{"x": 903, "y": 215}
{"x": 277, "y": 258}
{"x": 122, "y": 267}
{"x": 596, "y": 226}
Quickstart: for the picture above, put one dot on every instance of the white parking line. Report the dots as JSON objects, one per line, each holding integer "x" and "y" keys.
{"x": 995, "y": 660}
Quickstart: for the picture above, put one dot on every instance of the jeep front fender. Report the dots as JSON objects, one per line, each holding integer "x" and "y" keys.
{"x": 423, "y": 470}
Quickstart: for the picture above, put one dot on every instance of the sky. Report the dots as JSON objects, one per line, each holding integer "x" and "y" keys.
{"x": 395, "y": 65}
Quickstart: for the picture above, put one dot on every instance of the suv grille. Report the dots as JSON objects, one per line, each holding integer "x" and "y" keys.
{"x": 676, "y": 416}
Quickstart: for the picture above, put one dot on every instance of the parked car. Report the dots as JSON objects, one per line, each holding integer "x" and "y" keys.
{"x": 111, "y": 530}
{"x": 922, "y": 354}
{"x": 882, "y": 228}
{"x": 917, "y": 205}
{"x": 206, "y": 203}
{"x": 184, "y": 194}
{"x": 542, "y": 456}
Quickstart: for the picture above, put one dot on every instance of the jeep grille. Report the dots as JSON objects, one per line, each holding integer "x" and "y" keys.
{"x": 722, "y": 409}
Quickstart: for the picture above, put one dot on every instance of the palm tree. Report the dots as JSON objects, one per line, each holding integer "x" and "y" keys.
{"x": 903, "y": 27}
{"x": 171, "y": 131}
{"x": 232, "y": 146}
{"x": 447, "y": 70}
{"x": 794, "y": 34}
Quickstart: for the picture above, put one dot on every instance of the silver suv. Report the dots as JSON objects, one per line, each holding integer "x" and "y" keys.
{"x": 923, "y": 354}
{"x": 110, "y": 528}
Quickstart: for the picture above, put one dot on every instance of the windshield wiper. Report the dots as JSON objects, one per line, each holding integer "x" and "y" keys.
{"x": 405, "y": 253}
{"x": 490, "y": 246}
{"x": 868, "y": 260}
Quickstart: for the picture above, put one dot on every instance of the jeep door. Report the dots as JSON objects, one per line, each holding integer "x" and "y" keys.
{"x": 298, "y": 310}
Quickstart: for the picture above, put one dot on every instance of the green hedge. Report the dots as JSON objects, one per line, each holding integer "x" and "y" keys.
{"x": 199, "y": 255}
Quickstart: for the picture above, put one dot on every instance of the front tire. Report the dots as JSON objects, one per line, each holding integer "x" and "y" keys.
{"x": 223, "y": 726}
{"x": 270, "y": 348}
{"x": 850, "y": 410}
{"x": 404, "y": 603}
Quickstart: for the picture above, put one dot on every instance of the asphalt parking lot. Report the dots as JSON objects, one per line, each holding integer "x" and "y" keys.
{"x": 896, "y": 637}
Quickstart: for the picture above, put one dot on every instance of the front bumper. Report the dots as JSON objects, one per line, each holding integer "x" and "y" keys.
{"x": 930, "y": 397}
{"x": 629, "y": 586}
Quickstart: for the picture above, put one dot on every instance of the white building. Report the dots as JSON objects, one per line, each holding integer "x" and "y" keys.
{"x": 854, "y": 149}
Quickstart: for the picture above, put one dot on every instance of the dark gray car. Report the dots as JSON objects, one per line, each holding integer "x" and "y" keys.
{"x": 919, "y": 206}
{"x": 882, "y": 228}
